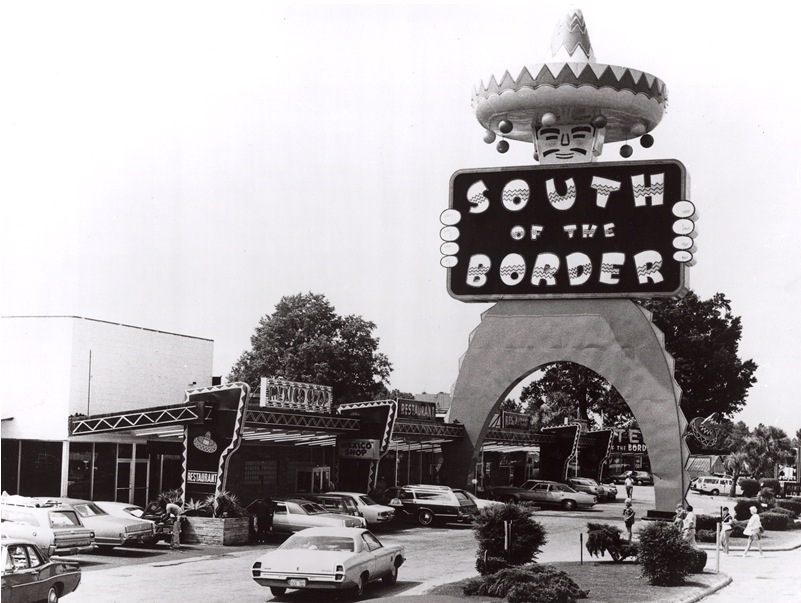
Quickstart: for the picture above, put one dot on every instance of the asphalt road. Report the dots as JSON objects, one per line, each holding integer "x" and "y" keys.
{"x": 434, "y": 556}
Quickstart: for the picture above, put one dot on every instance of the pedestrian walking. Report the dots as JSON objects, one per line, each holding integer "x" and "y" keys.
{"x": 628, "y": 517}
{"x": 753, "y": 530}
{"x": 726, "y": 522}
{"x": 175, "y": 513}
{"x": 629, "y": 483}
{"x": 688, "y": 526}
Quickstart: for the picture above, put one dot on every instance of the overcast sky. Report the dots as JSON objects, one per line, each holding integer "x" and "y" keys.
{"x": 182, "y": 166}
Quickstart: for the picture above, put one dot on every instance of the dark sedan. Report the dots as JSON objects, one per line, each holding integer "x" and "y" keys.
{"x": 30, "y": 575}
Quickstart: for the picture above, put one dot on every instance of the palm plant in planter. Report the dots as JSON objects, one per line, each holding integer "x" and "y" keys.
{"x": 218, "y": 519}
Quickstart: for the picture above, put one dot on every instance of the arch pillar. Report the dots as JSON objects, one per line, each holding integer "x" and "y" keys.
{"x": 613, "y": 337}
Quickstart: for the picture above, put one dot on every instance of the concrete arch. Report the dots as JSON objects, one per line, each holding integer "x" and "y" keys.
{"x": 615, "y": 338}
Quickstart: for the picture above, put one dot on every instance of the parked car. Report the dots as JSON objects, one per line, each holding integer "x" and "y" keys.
{"x": 590, "y": 486}
{"x": 295, "y": 514}
{"x": 546, "y": 493}
{"x": 334, "y": 503}
{"x": 429, "y": 504}
{"x": 162, "y": 528}
{"x": 481, "y": 503}
{"x": 29, "y": 574}
{"x": 110, "y": 530}
{"x": 373, "y": 513}
{"x": 640, "y": 478}
{"x": 714, "y": 485}
{"x": 328, "y": 559}
{"x": 54, "y": 528}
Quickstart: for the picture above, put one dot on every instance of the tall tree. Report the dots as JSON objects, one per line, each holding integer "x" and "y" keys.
{"x": 571, "y": 390}
{"x": 766, "y": 447}
{"x": 306, "y": 340}
{"x": 735, "y": 463}
{"x": 703, "y": 336}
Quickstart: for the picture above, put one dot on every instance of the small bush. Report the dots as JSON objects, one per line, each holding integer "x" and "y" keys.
{"x": 664, "y": 555}
{"x": 527, "y": 535}
{"x": 793, "y": 505}
{"x": 705, "y": 535}
{"x": 541, "y": 583}
{"x": 750, "y": 487}
{"x": 773, "y": 484}
{"x": 706, "y": 522}
{"x": 774, "y": 521}
{"x": 491, "y": 565}
{"x": 604, "y": 538}
{"x": 767, "y": 497}
{"x": 778, "y": 510}
{"x": 696, "y": 559}
{"x": 742, "y": 510}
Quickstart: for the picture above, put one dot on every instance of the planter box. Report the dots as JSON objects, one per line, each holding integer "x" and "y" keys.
{"x": 215, "y": 530}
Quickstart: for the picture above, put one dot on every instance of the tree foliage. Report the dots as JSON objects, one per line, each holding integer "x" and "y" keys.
{"x": 765, "y": 447}
{"x": 703, "y": 336}
{"x": 306, "y": 340}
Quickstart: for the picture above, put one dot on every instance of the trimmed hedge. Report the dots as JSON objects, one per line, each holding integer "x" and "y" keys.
{"x": 793, "y": 505}
{"x": 706, "y": 522}
{"x": 773, "y": 484}
{"x": 742, "y": 510}
{"x": 527, "y": 537}
{"x": 750, "y": 487}
{"x": 774, "y": 521}
{"x": 779, "y": 510}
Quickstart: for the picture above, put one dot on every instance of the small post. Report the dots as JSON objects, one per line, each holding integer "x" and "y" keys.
{"x": 581, "y": 548}
{"x": 717, "y": 545}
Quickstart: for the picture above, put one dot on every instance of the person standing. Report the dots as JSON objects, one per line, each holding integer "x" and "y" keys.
{"x": 175, "y": 512}
{"x": 628, "y": 517}
{"x": 725, "y": 529}
{"x": 754, "y": 532}
{"x": 629, "y": 483}
{"x": 678, "y": 518}
{"x": 688, "y": 526}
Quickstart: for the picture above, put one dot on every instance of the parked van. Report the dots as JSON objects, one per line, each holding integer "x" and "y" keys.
{"x": 714, "y": 485}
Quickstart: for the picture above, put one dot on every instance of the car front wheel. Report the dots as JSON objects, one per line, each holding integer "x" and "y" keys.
{"x": 52, "y": 595}
{"x": 569, "y": 505}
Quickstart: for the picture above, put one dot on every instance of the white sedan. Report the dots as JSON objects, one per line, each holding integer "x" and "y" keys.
{"x": 372, "y": 512}
{"x": 328, "y": 558}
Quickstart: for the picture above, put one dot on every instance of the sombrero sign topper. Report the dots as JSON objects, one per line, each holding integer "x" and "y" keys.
{"x": 571, "y": 228}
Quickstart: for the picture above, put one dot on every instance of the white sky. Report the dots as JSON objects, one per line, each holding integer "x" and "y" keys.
{"x": 181, "y": 166}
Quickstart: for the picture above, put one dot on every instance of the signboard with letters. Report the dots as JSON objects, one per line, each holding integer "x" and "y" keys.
{"x": 359, "y": 448}
{"x": 417, "y": 409}
{"x": 618, "y": 229}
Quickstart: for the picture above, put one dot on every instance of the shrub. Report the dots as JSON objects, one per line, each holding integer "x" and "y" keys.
{"x": 774, "y": 521}
{"x": 793, "y": 505}
{"x": 750, "y": 487}
{"x": 663, "y": 554}
{"x": 696, "y": 559}
{"x": 541, "y": 583}
{"x": 705, "y": 535}
{"x": 603, "y": 538}
{"x": 767, "y": 497}
{"x": 742, "y": 510}
{"x": 773, "y": 484}
{"x": 706, "y": 522}
{"x": 778, "y": 510}
{"x": 527, "y": 536}
{"x": 486, "y": 565}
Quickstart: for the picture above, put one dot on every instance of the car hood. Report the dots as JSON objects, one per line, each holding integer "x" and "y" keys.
{"x": 303, "y": 560}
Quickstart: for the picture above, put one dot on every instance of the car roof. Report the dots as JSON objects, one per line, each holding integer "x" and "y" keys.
{"x": 349, "y": 532}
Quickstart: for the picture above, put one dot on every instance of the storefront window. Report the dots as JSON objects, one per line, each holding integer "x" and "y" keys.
{"x": 40, "y": 468}
{"x": 79, "y": 480}
{"x": 105, "y": 471}
{"x": 10, "y": 464}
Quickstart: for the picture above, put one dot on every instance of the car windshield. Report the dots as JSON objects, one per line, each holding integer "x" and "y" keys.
{"x": 584, "y": 481}
{"x": 88, "y": 509}
{"x": 319, "y": 543}
{"x": 563, "y": 488}
{"x": 367, "y": 500}
{"x": 311, "y": 508}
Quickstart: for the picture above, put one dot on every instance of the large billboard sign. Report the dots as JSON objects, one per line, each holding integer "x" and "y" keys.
{"x": 618, "y": 229}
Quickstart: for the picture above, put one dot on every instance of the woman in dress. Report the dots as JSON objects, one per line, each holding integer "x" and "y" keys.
{"x": 754, "y": 532}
